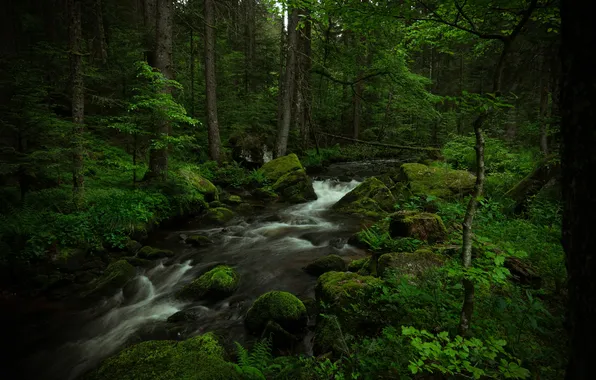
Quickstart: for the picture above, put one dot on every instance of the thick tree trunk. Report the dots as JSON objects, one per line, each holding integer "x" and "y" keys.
{"x": 100, "y": 46}
{"x": 578, "y": 159}
{"x": 149, "y": 23}
{"x": 283, "y": 133}
{"x": 78, "y": 98}
{"x": 158, "y": 156}
{"x": 210, "y": 83}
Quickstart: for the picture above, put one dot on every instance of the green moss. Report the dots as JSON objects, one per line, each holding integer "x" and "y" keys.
{"x": 440, "y": 182}
{"x": 274, "y": 169}
{"x": 329, "y": 337}
{"x": 338, "y": 288}
{"x": 132, "y": 246}
{"x": 409, "y": 263}
{"x": 325, "y": 264}
{"x": 201, "y": 184}
{"x": 219, "y": 282}
{"x": 198, "y": 240}
{"x": 371, "y": 198}
{"x": 219, "y": 215}
{"x": 265, "y": 194}
{"x": 418, "y": 225}
{"x": 358, "y": 264}
{"x": 216, "y": 204}
{"x": 295, "y": 187}
{"x": 281, "y": 307}
{"x": 198, "y": 358}
{"x": 116, "y": 275}
{"x": 234, "y": 200}
{"x": 151, "y": 253}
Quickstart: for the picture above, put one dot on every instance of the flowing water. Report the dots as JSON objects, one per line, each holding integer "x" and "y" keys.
{"x": 268, "y": 250}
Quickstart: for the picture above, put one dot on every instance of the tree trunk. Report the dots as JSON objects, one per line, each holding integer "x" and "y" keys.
{"x": 305, "y": 80}
{"x": 544, "y": 106}
{"x": 250, "y": 45}
{"x": 149, "y": 23}
{"x": 282, "y": 58}
{"x": 210, "y": 83}
{"x": 192, "y": 72}
{"x": 99, "y": 41}
{"x": 283, "y": 133}
{"x": 578, "y": 160}
{"x": 78, "y": 98}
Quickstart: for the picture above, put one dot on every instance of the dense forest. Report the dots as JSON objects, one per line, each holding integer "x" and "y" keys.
{"x": 300, "y": 189}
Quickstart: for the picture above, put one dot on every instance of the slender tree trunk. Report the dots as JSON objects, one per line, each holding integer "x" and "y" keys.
{"x": 283, "y": 133}
{"x": 210, "y": 83}
{"x": 78, "y": 99}
{"x": 101, "y": 51}
{"x": 149, "y": 23}
{"x": 543, "y": 107}
{"x": 250, "y": 46}
{"x": 282, "y": 59}
{"x": 578, "y": 159}
{"x": 305, "y": 79}
{"x": 192, "y": 73}
{"x": 158, "y": 156}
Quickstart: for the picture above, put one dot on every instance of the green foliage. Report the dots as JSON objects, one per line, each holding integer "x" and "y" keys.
{"x": 460, "y": 356}
{"x": 378, "y": 239}
{"x": 257, "y": 362}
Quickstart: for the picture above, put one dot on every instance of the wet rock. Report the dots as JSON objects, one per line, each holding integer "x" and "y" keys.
{"x": 233, "y": 200}
{"x": 200, "y": 357}
{"x": 265, "y": 194}
{"x": 280, "y": 338}
{"x": 189, "y": 315}
{"x": 218, "y": 283}
{"x": 133, "y": 246}
{"x": 219, "y": 215}
{"x": 116, "y": 275}
{"x": 419, "y": 225}
{"x": 408, "y": 263}
{"x": 245, "y": 208}
{"x": 370, "y": 199}
{"x": 422, "y": 180}
{"x": 138, "y": 262}
{"x": 325, "y": 264}
{"x": 151, "y": 253}
{"x": 216, "y": 204}
{"x": 198, "y": 183}
{"x": 280, "y": 307}
{"x": 198, "y": 240}
{"x": 289, "y": 179}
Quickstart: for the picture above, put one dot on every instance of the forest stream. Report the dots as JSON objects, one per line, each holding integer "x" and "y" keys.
{"x": 268, "y": 250}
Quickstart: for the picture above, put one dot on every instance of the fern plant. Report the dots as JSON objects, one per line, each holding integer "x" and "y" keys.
{"x": 253, "y": 364}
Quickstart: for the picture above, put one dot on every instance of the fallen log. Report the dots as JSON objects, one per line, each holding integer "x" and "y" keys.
{"x": 546, "y": 170}
{"x": 421, "y": 148}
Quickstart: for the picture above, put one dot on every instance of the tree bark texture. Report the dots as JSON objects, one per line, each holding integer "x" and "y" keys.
{"x": 578, "y": 160}
{"x": 210, "y": 83}
{"x": 100, "y": 46}
{"x": 544, "y": 106}
{"x": 149, "y": 23}
{"x": 78, "y": 98}
{"x": 283, "y": 133}
{"x": 158, "y": 157}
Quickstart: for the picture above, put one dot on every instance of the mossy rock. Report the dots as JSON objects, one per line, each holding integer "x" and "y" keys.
{"x": 116, "y": 275}
{"x": 413, "y": 264}
{"x": 275, "y": 169}
{"x": 199, "y": 183}
{"x": 151, "y": 253}
{"x": 216, "y": 204}
{"x": 218, "y": 283}
{"x": 197, "y": 358}
{"x": 219, "y": 215}
{"x": 198, "y": 240}
{"x": 356, "y": 265}
{"x": 422, "y": 180}
{"x": 372, "y": 198}
{"x": 133, "y": 246}
{"x": 289, "y": 179}
{"x": 280, "y": 307}
{"x": 280, "y": 338}
{"x": 138, "y": 262}
{"x": 233, "y": 200}
{"x": 265, "y": 194}
{"x": 418, "y": 225}
{"x": 244, "y": 208}
{"x": 325, "y": 264}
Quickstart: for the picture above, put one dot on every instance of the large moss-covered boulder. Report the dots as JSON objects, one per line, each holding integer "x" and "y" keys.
{"x": 283, "y": 308}
{"x": 421, "y": 180}
{"x": 197, "y": 358}
{"x": 408, "y": 263}
{"x": 418, "y": 225}
{"x": 372, "y": 198}
{"x": 116, "y": 275}
{"x": 325, "y": 264}
{"x": 150, "y": 253}
{"x": 288, "y": 178}
{"x": 199, "y": 183}
{"x": 219, "y": 282}
{"x": 219, "y": 215}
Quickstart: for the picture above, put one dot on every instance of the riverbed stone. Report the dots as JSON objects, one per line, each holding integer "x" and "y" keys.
{"x": 200, "y": 357}
{"x": 288, "y": 179}
{"x": 418, "y": 225}
{"x": 233, "y": 200}
{"x": 200, "y": 184}
{"x": 219, "y": 215}
{"x": 413, "y": 264}
{"x": 423, "y": 180}
{"x": 151, "y": 253}
{"x": 198, "y": 240}
{"x": 116, "y": 275}
{"x": 218, "y": 283}
{"x": 283, "y": 308}
{"x": 372, "y": 198}
{"x": 133, "y": 246}
{"x": 325, "y": 264}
